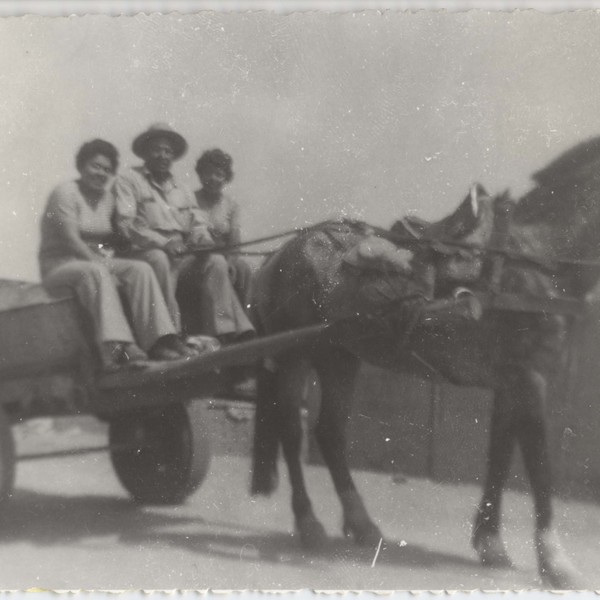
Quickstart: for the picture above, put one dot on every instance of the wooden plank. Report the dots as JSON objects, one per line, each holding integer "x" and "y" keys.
{"x": 112, "y": 402}
{"x": 61, "y": 392}
{"x": 244, "y": 353}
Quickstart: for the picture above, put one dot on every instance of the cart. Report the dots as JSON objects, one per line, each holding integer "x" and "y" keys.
{"x": 159, "y": 446}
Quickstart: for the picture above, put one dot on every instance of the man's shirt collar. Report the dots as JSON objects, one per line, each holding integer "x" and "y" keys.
{"x": 148, "y": 175}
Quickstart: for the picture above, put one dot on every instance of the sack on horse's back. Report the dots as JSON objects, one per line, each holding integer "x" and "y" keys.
{"x": 374, "y": 274}
{"x": 379, "y": 254}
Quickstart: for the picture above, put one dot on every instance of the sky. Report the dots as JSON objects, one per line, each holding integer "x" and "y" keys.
{"x": 369, "y": 115}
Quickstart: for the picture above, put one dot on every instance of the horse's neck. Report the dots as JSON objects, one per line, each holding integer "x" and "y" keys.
{"x": 565, "y": 218}
{"x": 568, "y": 230}
{"x": 573, "y": 235}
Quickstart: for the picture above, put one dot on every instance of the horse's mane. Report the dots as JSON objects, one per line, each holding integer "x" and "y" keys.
{"x": 574, "y": 174}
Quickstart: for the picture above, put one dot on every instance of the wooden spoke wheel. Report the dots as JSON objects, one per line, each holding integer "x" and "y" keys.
{"x": 162, "y": 456}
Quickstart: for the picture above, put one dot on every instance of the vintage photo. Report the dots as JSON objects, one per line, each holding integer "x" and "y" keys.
{"x": 300, "y": 301}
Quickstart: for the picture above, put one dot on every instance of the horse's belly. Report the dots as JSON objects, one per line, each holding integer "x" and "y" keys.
{"x": 454, "y": 356}
{"x": 461, "y": 355}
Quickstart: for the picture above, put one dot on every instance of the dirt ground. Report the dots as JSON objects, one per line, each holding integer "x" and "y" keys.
{"x": 70, "y": 525}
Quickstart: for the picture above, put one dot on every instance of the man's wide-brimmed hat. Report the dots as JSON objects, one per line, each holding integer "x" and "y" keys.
{"x": 163, "y": 130}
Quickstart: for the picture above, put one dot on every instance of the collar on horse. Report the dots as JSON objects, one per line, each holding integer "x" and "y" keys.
{"x": 495, "y": 256}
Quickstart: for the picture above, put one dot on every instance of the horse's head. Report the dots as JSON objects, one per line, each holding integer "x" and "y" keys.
{"x": 560, "y": 217}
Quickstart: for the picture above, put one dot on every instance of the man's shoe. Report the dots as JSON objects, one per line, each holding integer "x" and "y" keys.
{"x": 174, "y": 342}
{"x": 235, "y": 338}
{"x": 246, "y": 336}
{"x": 162, "y": 350}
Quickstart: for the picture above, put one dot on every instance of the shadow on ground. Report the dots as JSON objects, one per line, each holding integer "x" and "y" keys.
{"x": 46, "y": 519}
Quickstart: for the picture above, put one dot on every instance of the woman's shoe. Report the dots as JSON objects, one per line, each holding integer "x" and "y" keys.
{"x": 110, "y": 353}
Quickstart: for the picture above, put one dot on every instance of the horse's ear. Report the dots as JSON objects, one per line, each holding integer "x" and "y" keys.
{"x": 476, "y": 193}
{"x": 464, "y": 219}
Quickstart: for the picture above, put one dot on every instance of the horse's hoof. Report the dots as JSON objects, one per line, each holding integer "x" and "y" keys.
{"x": 367, "y": 534}
{"x": 312, "y": 534}
{"x": 491, "y": 551}
{"x": 565, "y": 579}
{"x": 556, "y": 570}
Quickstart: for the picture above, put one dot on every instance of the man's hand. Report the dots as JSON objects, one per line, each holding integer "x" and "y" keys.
{"x": 200, "y": 237}
{"x": 204, "y": 243}
{"x": 175, "y": 248}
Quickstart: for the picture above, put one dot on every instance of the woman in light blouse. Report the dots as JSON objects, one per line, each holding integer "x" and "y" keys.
{"x": 76, "y": 256}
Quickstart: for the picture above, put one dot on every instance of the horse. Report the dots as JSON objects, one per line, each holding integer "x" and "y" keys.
{"x": 540, "y": 249}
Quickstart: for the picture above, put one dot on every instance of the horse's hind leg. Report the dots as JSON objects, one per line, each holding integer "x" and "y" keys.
{"x": 487, "y": 540}
{"x": 290, "y": 375}
{"x": 266, "y": 434}
{"x": 337, "y": 371}
{"x": 555, "y": 568}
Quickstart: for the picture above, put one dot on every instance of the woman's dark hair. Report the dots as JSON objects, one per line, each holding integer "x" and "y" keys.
{"x": 215, "y": 158}
{"x": 95, "y": 147}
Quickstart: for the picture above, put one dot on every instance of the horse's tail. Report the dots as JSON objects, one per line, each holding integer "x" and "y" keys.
{"x": 266, "y": 435}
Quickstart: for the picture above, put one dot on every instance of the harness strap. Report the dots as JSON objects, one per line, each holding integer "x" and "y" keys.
{"x": 494, "y": 263}
{"x": 518, "y": 303}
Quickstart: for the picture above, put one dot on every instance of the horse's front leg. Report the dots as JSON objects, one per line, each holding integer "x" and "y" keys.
{"x": 487, "y": 539}
{"x": 290, "y": 380}
{"x": 337, "y": 376}
{"x": 554, "y": 566}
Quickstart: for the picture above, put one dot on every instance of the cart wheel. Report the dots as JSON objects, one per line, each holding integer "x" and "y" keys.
{"x": 160, "y": 457}
{"x": 7, "y": 458}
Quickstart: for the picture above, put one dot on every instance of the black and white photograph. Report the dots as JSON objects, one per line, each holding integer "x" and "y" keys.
{"x": 303, "y": 300}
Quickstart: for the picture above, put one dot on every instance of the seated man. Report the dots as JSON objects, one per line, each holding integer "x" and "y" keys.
{"x": 160, "y": 218}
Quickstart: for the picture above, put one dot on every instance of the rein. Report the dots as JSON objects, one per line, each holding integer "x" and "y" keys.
{"x": 549, "y": 264}
{"x": 235, "y": 248}
{"x": 442, "y": 245}
{"x": 490, "y": 299}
